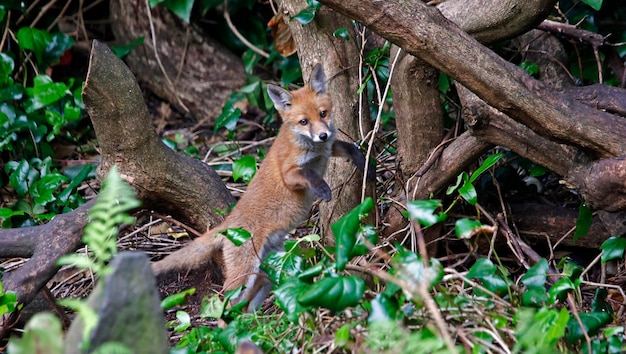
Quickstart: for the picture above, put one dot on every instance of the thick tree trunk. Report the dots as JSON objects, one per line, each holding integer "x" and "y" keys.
{"x": 419, "y": 123}
{"x": 316, "y": 44}
{"x": 197, "y": 74}
{"x": 165, "y": 180}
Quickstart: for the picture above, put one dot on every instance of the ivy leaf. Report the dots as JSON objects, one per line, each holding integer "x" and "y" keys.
{"x": 464, "y": 227}
{"x": 305, "y": 16}
{"x": 409, "y": 267}
{"x": 536, "y": 275}
{"x": 583, "y": 222}
{"x": 487, "y": 164}
{"x": 488, "y": 274}
{"x": 46, "y": 47}
{"x": 244, "y": 168}
{"x": 228, "y": 118}
{"x": 341, "y": 33}
{"x": 424, "y": 211}
{"x": 44, "y": 93}
{"x": 560, "y": 289}
{"x": 177, "y": 299}
{"x": 384, "y": 309}
{"x": 334, "y": 293}
{"x": 530, "y": 67}
{"x": 595, "y": 4}
{"x": 236, "y": 235}
{"x": 346, "y": 230}
{"x": 123, "y": 50}
{"x": 281, "y": 265}
{"x": 287, "y": 297}
{"x": 592, "y": 322}
{"x": 535, "y": 296}
{"x": 613, "y": 248}
{"x": 6, "y": 68}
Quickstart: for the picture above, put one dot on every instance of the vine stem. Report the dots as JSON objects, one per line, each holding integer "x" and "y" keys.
{"x": 158, "y": 58}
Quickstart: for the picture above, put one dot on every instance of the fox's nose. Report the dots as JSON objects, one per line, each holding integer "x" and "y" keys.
{"x": 323, "y": 136}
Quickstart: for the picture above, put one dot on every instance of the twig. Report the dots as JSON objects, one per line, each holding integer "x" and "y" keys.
{"x": 158, "y": 58}
{"x": 240, "y": 36}
{"x": 377, "y": 123}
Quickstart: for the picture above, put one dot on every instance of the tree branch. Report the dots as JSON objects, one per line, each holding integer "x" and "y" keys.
{"x": 165, "y": 180}
{"x": 422, "y": 31}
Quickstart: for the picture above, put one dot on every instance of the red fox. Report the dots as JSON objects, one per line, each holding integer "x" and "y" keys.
{"x": 280, "y": 195}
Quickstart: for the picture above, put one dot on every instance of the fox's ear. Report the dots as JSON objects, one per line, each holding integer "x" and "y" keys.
{"x": 281, "y": 97}
{"x": 317, "y": 82}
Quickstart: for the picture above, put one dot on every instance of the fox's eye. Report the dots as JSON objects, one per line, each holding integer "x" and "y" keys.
{"x": 323, "y": 114}
{"x": 303, "y": 122}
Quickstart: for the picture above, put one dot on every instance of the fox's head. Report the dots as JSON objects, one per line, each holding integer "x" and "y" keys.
{"x": 306, "y": 111}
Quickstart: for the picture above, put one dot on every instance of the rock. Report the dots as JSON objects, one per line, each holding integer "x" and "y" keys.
{"x": 128, "y": 307}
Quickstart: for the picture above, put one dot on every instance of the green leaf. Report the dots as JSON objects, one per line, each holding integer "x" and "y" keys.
{"x": 236, "y": 235}
{"x": 6, "y": 68}
{"x": 489, "y": 275}
{"x": 177, "y": 299}
{"x": 464, "y": 227}
{"x": 424, "y": 211}
{"x": 599, "y": 303}
{"x": 287, "y": 297}
{"x": 212, "y": 307}
{"x": 282, "y": 265}
{"x": 244, "y": 168}
{"x": 305, "y": 16}
{"x": 487, "y": 164}
{"x": 538, "y": 331}
{"x": 334, "y": 293}
{"x": 560, "y": 289}
{"x": 536, "y": 275}
{"x": 535, "y": 296}
{"x": 182, "y": 8}
{"x": 384, "y": 309}
{"x": 592, "y": 322}
{"x": 184, "y": 321}
{"x": 456, "y": 185}
{"x": 41, "y": 334}
{"x": 530, "y": 67}
{"x": 595, "y": 4}
{"x": 342, "y": 336}
{"x": 613, "y": 248}
{"x": 46, "y": 47}
{"x": 409, "y": 267}
{"x": 19, "y": 177}
{"x": 44, "y": 93}
{"x": 583, "y": 223}
{"x": 346, "y": 229}
{"x": 123, "y": 50}
{"x": 341, "y": 33}
{"x": 468, "y": 192}
{"x": 228, "y": 118}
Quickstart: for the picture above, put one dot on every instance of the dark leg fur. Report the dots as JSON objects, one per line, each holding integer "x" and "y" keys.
{"x": 317, "y": 183}
{"x": 345, "y": 149}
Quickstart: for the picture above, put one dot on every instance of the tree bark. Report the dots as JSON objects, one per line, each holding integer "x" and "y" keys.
{"x": 419, "y": 123}
{"x": 490, "y": 21}
{"x": 507, "y": 88}
{"x": 165, "y": 180}
{"x": 422, "y": 31}
{"x": 44, "y": 245}
{"x": 198, "y": 73}
{"x": 316, "y": 44}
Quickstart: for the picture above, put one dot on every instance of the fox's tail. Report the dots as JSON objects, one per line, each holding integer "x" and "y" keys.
{"x": 194, "y": 255}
